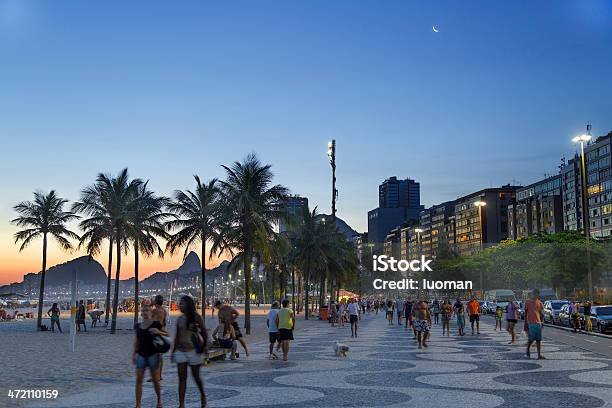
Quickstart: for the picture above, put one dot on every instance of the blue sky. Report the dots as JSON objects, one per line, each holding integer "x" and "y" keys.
{"x": 170, "y": 89}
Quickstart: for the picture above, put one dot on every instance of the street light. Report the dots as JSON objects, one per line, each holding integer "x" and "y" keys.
{"x": 331, "y": 153}
{"x": 582, "y": 139}
{"x": 481, "y": 204}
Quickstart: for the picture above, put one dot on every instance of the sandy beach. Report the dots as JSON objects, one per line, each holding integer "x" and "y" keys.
{"x": 32, "y": 360}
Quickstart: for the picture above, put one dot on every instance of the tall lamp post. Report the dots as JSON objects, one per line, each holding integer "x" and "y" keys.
{"x": 582, "y": 139}
{"x": 331, "y": 153}
{"x": 481, "y": 204}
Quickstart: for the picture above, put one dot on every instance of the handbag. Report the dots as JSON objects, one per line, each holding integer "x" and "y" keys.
{"x": 198, "y": 337}
{"x": 162, "y": 343}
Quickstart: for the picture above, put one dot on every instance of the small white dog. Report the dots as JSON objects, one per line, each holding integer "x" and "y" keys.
{"x": 340, "y": 349}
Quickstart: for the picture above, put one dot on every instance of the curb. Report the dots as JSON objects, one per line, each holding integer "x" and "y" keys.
{"x": 569, "y": 329}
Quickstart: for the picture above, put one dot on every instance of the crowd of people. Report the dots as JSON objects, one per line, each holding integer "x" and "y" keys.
{"x": 420, "y": 315}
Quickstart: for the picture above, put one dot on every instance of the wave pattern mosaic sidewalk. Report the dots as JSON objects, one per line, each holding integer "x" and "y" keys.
{"x": 384, "y": 368}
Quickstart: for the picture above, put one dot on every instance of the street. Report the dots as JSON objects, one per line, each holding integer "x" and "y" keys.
{"x": 384, "y": 368}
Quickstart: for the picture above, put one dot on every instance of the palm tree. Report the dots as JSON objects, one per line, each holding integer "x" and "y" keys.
{"x": 196, "y": 219}
{"x": 309, "y": 242}
{"x": 43, "y": 217}
{"x": 120, "y": 198}
{"x": 97, "y": 227}
{"x": 251, "y": 206}
{"x": 146, "y": 223}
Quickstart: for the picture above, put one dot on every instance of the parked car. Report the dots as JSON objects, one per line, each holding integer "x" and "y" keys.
{"x": 565, "y": 318}
{"x": 601, "y": 318}
{"x": 552, "y": 309}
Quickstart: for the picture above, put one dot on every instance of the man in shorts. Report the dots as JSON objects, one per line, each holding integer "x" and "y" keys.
{"x": 422, "y": 323}
{"x": 512, "y": 315}
{"x": 533, "y": 319}
{"x": 158, "y": 314}
{"x": 227, "y": 313}
{"x": 273, "y": 334}
{"x": 447, "y": 313}
{"x": 285, "y": 321}
{"x": 399, "y": 309}
{"x": 474, "y": 311}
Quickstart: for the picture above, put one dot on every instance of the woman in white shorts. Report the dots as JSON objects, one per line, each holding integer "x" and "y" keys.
{"x": 189, "y": 333}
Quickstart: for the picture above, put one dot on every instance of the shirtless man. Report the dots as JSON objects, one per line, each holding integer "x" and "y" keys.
{"x": 159, "y": 314}
{"x": 226, "y": 313}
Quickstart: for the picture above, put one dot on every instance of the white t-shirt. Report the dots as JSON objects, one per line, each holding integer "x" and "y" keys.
{"x": 353, "y": 309}
{"x": 272, "y": 320}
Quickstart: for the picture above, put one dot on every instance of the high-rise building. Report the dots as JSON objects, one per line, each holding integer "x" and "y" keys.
{"x": 399, "y": 204}
{"x": 393, "y": 193}
{"x": 293, "y": 206}
{"x": 571, "y": 187}
{"x": 442, "y": 228}
{"x": 538, "y": 209}
{"x": 599, "y": 186}
{"x": 481, "y": 218}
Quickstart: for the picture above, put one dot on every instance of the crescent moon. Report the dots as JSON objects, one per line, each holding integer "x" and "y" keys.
{"x": 435, "y": 30}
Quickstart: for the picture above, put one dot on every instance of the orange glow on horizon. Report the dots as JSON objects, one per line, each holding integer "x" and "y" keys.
{"x": 15, "y": 264}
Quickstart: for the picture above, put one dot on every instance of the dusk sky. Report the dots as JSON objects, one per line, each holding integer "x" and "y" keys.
{"x": 172, "y": 89}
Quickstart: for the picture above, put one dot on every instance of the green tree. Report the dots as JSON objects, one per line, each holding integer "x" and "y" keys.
{"x": 45, "y": 216}
{"x": 196, "y": 219}
{"x": 97, "y": 227}
{"x": 251, "y": 205}
{"x": 145, "y": 225}
{"x": 120, "y": 195}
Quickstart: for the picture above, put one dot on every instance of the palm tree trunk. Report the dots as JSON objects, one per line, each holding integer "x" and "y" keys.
{"x": 136, "y": 249}
{"x": 272, "y": 290}
{"x": 41, "y": 290}
{"x": 107, "y": 305}
{"x": 246, "y": 262}
{"x": 306, "y": 292}
{"x": 116, "y": 294}
{"x": 321, "y": 289}
{"x": 203, "y": 280}
{"x": 293, "y": 288}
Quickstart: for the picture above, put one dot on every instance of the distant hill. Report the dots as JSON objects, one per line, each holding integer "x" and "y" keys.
{"x": 190, "y": 268}
{"x": 342, "y": 226}
{"x": 89, "y": 271}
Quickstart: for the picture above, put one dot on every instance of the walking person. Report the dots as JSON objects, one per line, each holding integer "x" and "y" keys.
{"x": 533, "y": 319}
{"x": 145, "y": 353}
{"x": 588, "y": 325}
{"x": 342, "y": 311}
{"x": 447, "y": 313}
{"x": 499, "y": 315}
{"x": 512, "y": 315}
{"x": 389, "y": 311}
{"x": 54, "y": 314}
{"x": 333, "y": 313}
{"x": 399, "y": 309}
{"x": 273, "y": 334}
{"x": 422, "y": 324}
{"x": 285, "y": 320}
{"x": 80, "y": 317}
{"x": 575, "y": 313}
{"x": 159, "y": 315}
{"x": 408, "y": 312}
{"x": 353, "y": 311}
{"x": 190, "y": 343}
{"x": 474, "y": 311}
{"x": 460, "y": 313}
{"x": 436, "y": 311}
